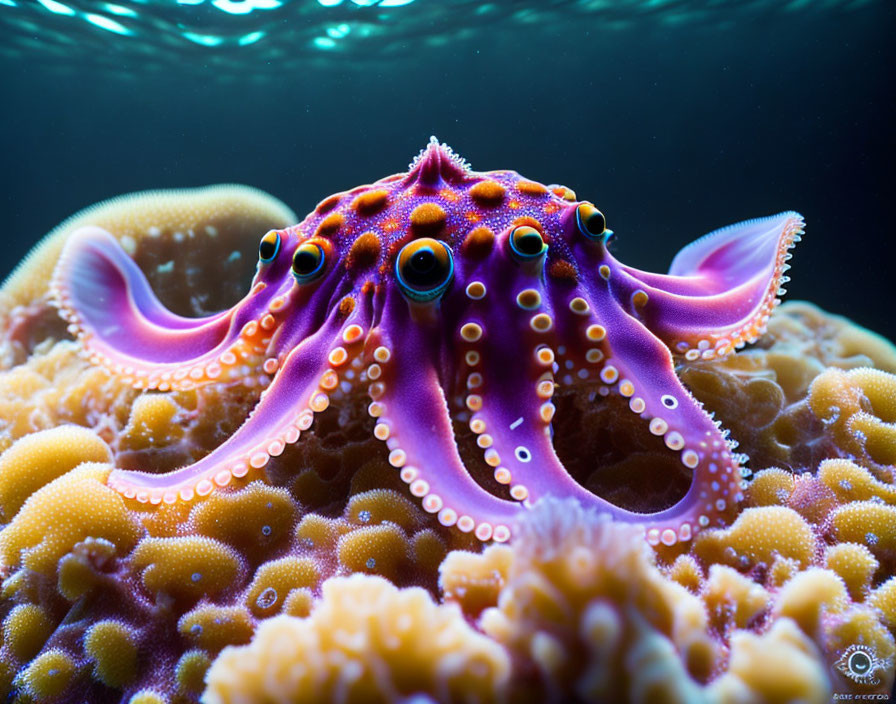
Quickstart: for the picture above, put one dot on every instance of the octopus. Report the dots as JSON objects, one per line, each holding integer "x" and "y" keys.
{"x": 444, "y": 296}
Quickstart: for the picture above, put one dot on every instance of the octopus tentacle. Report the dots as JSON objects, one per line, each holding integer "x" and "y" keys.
{"x": 413, "y": 419}
{"x": 720, "y": 289}
{"x": 640, "y": 368}
{"x": 506, "y": 338}
{"x": 301, "y": 388}
{"x": 113, "y": 311}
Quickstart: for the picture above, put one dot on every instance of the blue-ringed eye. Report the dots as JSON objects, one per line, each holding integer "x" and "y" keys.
{"x": 592, "y": 222}
{"x": 307, "y": 262}
{"x": 526, "y": 243}
{"x": 269, "y": 246}
{"x": 424, "y": 269}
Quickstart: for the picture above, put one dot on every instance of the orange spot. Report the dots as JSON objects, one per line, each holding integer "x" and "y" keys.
{"x": 530, "y": 188}
{"x": 330, "y": 225}
{"x": 371, "y": 202}
{"x": 472, "y": 216}
{"x": 479, "y": 242}
{"x": 449, "y": 195}
{"x": 532, "y": 222}
{"x": 514, "y": 205}
{"x": 346, "y": 306}
{"x": 529, "y": 298}
{"x": 562, "y": 269}
{"x": 564, "y": 193}
{"x": 390, "y": 225}
{"x": 367, "y": 288}
{"x": 488, "y": 193}
{"x": 551, "y": 208}
{"x": 364, "y": 251}
{"x": 327, "y": 204}
{"x": 428, "y": 218}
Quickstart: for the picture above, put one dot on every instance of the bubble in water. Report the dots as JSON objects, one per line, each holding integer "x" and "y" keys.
{"x": 196, "y": 576}
{"x": 364, "y": 516}
{"x": 196, "y": 630}
{"x": 371, "y": 563}
{"x": 267, "y": 598}
{"x": 266, "y": 531}
{"x": 846, "y": 485}
{"x": 871, "y": 538}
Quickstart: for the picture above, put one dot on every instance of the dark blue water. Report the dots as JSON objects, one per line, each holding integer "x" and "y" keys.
{"x": 674, "y": 117}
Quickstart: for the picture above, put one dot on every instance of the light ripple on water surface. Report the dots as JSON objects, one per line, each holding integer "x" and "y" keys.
{"x": 138, "y": 36}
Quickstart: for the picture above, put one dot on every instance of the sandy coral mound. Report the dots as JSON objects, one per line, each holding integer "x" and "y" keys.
{"x": 217, "y": 223}
{"x": 762, "y": 393}
{"x": 365, "y": 641}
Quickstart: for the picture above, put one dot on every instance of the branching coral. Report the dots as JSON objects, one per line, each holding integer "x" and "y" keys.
{"x": 366, "y": 641}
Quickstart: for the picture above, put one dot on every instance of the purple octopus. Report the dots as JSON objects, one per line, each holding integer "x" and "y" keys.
{"x": 444, "y": 293}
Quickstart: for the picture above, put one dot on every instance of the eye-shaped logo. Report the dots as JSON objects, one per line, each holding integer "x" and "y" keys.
{"x": 859, "y": 663}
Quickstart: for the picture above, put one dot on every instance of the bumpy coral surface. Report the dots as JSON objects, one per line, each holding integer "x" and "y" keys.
{"x": 318, "y": 578}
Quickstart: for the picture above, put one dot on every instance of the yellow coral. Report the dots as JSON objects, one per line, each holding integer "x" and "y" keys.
{"x": 187, "y": 567}
{"x": 151, "y": 423}
{"x": 213, "y": 627}
{"x": 112, "y": 647}
{"x": 474, "y": 580}
{"x": 382, "y": 549}
{"x": 884, "y": 598}
{"x": 190, "y": 671}
{"x": 248, "y": 518}
{"x": 366, "y": 641}
{"x": 850, "y": 482}
{"x": 758, "y": 536}
{"x": 379, "y": 505}
{"x": 855, "y": 565}
{"x": 809, "y": 596}
{"x": 770, "y": 487}
{"x": 49, "y": 675}
{"x": 274, "y": 580}
{"x": 687, "y": 572}
{"x": 63, "y": 513}
{"x": 25, "y": 630}
{"x": 782, "y": 665}
{"x": 38, "y": 459}
{"x": 859, "y": 407}
{"x": 578, "y": 587}
{"x": 732, "y": 599}
{"x": 869, "y": 523}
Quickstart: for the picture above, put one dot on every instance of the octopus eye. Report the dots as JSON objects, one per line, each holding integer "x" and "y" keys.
{"x": 592, "y": 222}
{"x": 424, "y": 269}
{"x": 307, "y": 262}
{"x": 269, "y": 246}
{"x": 526, "y": 243}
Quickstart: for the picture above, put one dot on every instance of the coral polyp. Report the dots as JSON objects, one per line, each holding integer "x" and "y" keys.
{"x": 446, "y": 446}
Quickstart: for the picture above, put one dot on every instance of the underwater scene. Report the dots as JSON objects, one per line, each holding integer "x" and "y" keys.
{"x": 432, "y": 351}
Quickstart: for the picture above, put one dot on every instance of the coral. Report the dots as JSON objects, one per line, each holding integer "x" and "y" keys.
{"x": 39, "y": 458}
{"x": 858, "y": 409}
{"x": 757, "y": 537}
{"x": 113, "y": 649}
{"x": 66, "y": 511}
{"x": 185, "y": 567}
{"x": 780, "y": 666}
{"x": 366, "y": 641}
{"x": 580, "y": 586}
